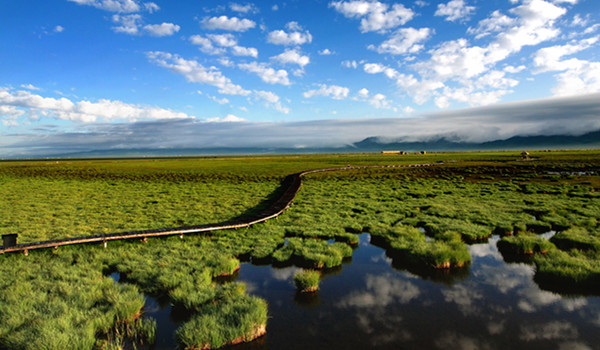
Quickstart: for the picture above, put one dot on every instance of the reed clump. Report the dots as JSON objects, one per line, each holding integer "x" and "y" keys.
{"x": 307, "y": 281}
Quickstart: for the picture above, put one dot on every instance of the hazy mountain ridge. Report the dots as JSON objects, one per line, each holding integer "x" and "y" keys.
{"x": 370, "y": 144}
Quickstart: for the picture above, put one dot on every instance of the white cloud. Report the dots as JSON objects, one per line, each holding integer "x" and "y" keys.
{"x": 549, "y": 58}
{"x": 295, "y": 37}
{"x": 267, "y": 74}
{"x": 455, "y": 10}
{"x": 325, "y": 52}
{"x": 194, "y": 72}
{"x": 374, "y": 68}
{"x": 375, "y": 16}
{"x": 129, "y": 24}
{"x": 404, "y": 41}
{"x": 334, "y": 91}
{"x": 363, "y": 93}
{"x": 248, "y": 8}
{"x": 555, "y": 330}
{"x": 163, "y": 29}
{"x": 514, "y": 70}
{"x": 271, "y": 101}
{"x": 221, "y": 101}
{"x": 230, "y": 118}
{"x": 461, "y": 63}
{"x": 244, "y": 51}
{"x": 233, "y": 24}
{"x": 121, "y": 6}
{"x": 29, "y": 87}
{"x": 292, "y": 56}
{"x": 59, "y": 29}
{"x": 379, "y": 101}
{"x": 551, "y": 116}
{"x": 350, "y": 64}
{"x": 225, "y": 40}
{"x": 293, "y": 26}
{"x": 206, "y": 45}
{"x": 13, "y": 103}
{"x": 578, "y": 76}
{"x": 151, "y": 7}
{"x": 496, "y": 23}
{"x": 224, "y": 61}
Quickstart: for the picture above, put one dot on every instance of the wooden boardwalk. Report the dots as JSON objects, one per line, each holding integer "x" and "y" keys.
{"x": 291, "y": 185}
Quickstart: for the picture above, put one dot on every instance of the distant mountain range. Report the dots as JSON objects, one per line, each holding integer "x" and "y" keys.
{"x": 589, "y": 140}
{"x": 370, "y": 144}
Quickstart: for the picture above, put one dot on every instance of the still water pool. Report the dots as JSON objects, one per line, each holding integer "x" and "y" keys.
{"x": 371, "y": 303}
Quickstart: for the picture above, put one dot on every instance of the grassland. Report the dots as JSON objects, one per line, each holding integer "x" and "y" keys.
{"x": 424, "y": 217}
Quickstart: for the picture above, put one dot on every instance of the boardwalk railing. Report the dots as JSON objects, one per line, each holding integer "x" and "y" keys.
{"x": 291, "y": 183}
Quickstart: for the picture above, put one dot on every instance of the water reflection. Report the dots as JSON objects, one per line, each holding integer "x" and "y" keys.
{"x": 377, "y": 303}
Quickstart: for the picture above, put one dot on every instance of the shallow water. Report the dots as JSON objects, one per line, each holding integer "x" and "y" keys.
{"x": 368, "y": 303}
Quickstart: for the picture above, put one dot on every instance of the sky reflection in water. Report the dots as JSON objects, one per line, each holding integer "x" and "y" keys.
{"x": 369, "y": 304}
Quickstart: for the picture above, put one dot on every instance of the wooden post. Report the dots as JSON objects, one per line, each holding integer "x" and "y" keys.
{"x": 26, "y": 252}
{"x": 9, "y": 240}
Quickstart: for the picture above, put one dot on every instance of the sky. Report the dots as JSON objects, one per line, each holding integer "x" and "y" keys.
{"x": 80, "y": 75}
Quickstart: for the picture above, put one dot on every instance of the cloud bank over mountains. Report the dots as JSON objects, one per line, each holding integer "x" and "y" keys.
{"x": 552, "y": 116}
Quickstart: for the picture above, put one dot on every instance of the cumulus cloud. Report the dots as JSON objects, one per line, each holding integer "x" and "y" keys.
{"x": 15, "y": 103}
{"x": 336, "y": 92}
{"x": 195, "y": 72}
{"x": 578, "y": 76}
{"x": 381, "y": 291}
{"x": 233, "y": 24}
{"x": 555, "y": 330}
{"x": 295, "y": 37}
{"x": 121, "y": 6}
{"x": 292, "y": 56}
{"x": 267, "y": 74}
{"x": 375, "y": 16}
{"x": 206, "y": 45}
{"x": 404, "y": 41}
{"x": 271, "y": 100}
{"x": 226, "y": 40}
{"x": 244, "y": 51}
{"x": 59, "y": 29}
{"x": 247, "y": 8}
{"x": 496, "y": 23}
{"x": 163, "y": 29}
{"x": 454, "y": 10}
{"x": 128, "y": 24}
{"x": 325, "y": 52}
{"x": 133, "y": 25}
{"x": 230, "y": 118}
{"x": 218, "y": 44}
{"x": 454, "y": 69}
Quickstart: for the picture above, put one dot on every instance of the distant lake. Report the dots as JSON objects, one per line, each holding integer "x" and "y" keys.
{"x": 368, "y": 303}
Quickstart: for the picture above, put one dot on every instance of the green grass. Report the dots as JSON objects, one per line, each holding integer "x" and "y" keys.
{"x": 524, "y": 244}
{"x": 63, "y": 299}
{"x": 216, "y": 325}
{"x": 307, "y": 281}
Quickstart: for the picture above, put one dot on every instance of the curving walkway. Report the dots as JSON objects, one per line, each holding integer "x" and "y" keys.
{"x": 291, "y": 183}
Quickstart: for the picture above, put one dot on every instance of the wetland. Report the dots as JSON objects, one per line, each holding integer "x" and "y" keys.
{"x": 480, "y": 251}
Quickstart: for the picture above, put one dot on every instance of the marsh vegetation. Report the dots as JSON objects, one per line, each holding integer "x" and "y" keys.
{"x": 425, "y": 219}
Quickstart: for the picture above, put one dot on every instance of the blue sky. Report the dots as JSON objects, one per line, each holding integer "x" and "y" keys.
{"x": 334, "y": 71}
